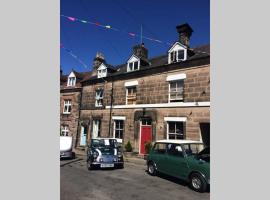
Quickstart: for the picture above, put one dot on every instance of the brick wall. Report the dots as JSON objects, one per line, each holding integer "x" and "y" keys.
{"x": 70, "y": 120}
{"x": 153, "y": 89}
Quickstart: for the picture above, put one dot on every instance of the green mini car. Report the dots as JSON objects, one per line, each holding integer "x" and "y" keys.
{"x": 184, "y": 159}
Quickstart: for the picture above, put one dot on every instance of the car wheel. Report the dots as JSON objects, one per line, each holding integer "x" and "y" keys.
{"x": 121, "y": 166}
{"x": 151, "y": 168}
{"x": 197, "y": 182}
{"x": 89, "y": 165}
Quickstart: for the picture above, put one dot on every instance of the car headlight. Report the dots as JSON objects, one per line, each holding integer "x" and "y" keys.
{"x": 95, "y": 154}
{"x": 119, "y": 154}
{"x": 114, "y": 159}
{"x": 101, "y": 160}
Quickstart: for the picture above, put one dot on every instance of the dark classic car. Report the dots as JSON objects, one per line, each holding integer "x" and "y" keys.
{"x": 104, "y": 153}
{"x": 184, "y": 159}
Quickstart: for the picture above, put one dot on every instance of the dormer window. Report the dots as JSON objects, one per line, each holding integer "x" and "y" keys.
{"x": 177, "y": 56}
{"x": 177, "y": 53}
{"x": 71, "y": 79}
{"x": 133, "y": 64}
{"x": 102, "y": 71}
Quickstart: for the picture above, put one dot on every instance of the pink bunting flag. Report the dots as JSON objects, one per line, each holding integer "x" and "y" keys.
{"x": 71, "y": 18}
{"x": 132, "y": 34}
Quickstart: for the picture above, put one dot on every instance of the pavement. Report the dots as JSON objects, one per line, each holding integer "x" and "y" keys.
{"x": 132, "y": 182}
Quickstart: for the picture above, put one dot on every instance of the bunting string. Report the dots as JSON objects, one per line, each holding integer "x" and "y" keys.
{"x": 109, "y": 27}
{"x": 73, "y": 55}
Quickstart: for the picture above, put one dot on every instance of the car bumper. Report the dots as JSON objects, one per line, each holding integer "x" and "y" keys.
{"x": 107, "y": 165}
{"x": 67, "y": 154}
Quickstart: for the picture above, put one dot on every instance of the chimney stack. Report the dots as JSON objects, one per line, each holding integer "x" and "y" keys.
{"x": 140, "y": 51}
{"x": 185, "y": 31}
{"x": 97, "y": 61}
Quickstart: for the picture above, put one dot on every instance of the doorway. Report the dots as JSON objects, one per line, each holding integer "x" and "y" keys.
{"x": 205, "y": 133}
{"x": 146, "y": 134}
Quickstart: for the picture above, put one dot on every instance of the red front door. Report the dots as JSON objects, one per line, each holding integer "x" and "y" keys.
{"x": 146, "y": 135}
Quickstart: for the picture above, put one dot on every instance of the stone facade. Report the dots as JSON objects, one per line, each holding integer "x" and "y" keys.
{"x": 153, "y": 115}
{"x": 151, "y": 90}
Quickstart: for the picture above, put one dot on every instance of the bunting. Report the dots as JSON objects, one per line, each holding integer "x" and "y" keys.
{"x": 109, "y": 27}
{"x": 73, "y": 55}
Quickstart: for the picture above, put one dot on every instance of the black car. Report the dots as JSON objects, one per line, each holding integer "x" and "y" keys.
{"x": 104, "y": 153}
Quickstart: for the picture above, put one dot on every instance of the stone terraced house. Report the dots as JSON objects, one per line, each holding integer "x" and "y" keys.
{"x": 144, "y": 99}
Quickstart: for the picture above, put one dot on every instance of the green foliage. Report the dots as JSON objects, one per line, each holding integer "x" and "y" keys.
{"x": 148, "y": 146}
{"x": 128, "y": 147}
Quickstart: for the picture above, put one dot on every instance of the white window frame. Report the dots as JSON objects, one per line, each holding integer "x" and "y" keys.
{"x": 114, "y": 128}
{"x": 175, "y": 49}
{"x": 133, "y": 66}
{"x": 102, "y": 71}
{"x": 175, "y": 129}
{"x": 132, "y": 62}
{"x": 98, "y": 97}
{"x": 64, "y": 130}
{"x": 67, "y": 104}
{"x": 134, "y": 86}
{"x": 71, "y": 80}
{"x": 176, "y": 100}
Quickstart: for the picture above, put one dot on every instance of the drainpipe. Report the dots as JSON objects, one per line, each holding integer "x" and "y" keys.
{"x": 79, "y": 117}
{"x": 110, "y": 135}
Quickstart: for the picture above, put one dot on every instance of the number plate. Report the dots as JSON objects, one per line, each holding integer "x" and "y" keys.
{"x": 106, "y": 165}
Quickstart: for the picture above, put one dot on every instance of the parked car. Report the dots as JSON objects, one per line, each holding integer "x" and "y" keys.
{"x": 184, "y": 159}
{"x": 104, "y": 153}
{"x": 66, "y": 147}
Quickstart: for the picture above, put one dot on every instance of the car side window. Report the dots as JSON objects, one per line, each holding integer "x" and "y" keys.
{"x": 160, "y": 148}
{"x": 175, "y": 150}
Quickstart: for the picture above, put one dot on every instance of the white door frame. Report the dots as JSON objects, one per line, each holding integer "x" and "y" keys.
{"x": 141, "y": 134}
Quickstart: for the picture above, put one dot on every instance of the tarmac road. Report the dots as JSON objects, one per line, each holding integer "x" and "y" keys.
{"x": 132, "y": 182}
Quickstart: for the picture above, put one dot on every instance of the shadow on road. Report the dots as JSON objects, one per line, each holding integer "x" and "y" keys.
{"x": 71, "y": 161}
{"x": 176, "y": 180}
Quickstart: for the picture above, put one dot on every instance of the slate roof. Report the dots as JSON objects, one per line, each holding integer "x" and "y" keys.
{"x": 162, "y": 60}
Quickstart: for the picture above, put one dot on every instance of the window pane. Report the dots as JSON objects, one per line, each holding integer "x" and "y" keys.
{"x": 130, "y": 66}
{"x": 136, "y": 65}
{"x": 171, "y": 127}
{"x": 180, "y": 54}
{"x": 160, "y": 148}
{"x": 171, "y": 56}
{"x": 121, "y": 124}
{"x": 171, "y": 136}
{"x": 179, "y": 127}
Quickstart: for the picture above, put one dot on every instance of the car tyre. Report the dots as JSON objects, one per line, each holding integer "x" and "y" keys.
{"x": 121, "y": 166}
{"x": 151, "y": 168}
{"x": 197, "y": 182}
{"x": 89, "y": 165}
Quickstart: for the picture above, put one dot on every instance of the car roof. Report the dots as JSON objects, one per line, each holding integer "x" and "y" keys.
{"x": 179, "y": 141}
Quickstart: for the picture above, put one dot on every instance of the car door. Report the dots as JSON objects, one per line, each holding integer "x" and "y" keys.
{"x": 159, "y": 156}
{"x": 176, "y": 162}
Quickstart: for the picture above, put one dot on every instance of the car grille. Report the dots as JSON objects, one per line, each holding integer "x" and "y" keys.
{"x": 107, "y": 158}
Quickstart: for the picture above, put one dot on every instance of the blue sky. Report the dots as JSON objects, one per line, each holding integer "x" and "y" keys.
{"x": 157, "y": 17}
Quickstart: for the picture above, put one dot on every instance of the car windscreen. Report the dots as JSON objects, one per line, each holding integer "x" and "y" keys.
{"x": 97, "y": 143}
{"x": 205, "y": 154}
{"x": 193, "y": 148}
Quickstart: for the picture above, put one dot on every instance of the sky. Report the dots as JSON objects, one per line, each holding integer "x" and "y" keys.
{"x": 158, "y": 19}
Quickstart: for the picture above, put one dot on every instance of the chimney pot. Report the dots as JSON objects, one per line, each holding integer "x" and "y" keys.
{"x": 185, "y": 32}
{"x": 140, "y": 51}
